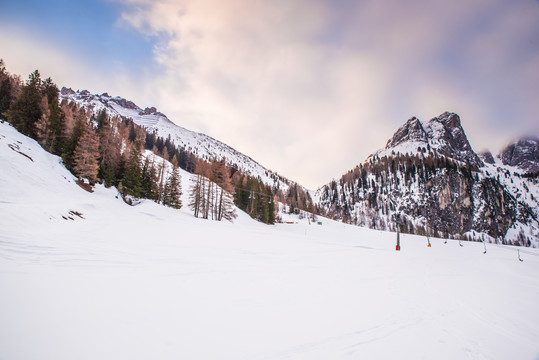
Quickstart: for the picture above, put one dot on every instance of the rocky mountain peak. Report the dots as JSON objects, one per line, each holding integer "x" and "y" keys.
{"x": 412, "y": 131}
{"x": 523, "y": 153}
{"x": 450, "y": 120}
{"x": 125, "y": 103}
{"x": 444, "y": 134}
{"x": 487, "y": 157}
{"x": 150, "y": 111}
{"x": 67, "y": 91}
{"x": 447, "y": 135}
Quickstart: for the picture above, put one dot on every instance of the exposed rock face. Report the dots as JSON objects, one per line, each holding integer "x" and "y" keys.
{"x": 67, "y": 91}
{"x": 148, "y": 111}
{"x": 412, "y": 131}
{"x": 487, "y": 157}
{"x": 447, "y": 205}
{"x": 496, "y": 208}
{"x": 104, "y": 98}
{"x": 125, "y": 103}
{"x": 446, "y": 134}
{"x": 523, "y": 154}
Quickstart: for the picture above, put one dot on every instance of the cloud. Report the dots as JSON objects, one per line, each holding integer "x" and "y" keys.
{"x": 256, "y": 77}
{"x": 310, "y": 88}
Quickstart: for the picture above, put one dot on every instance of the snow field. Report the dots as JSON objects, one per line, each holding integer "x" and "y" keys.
{"x": 150, "y": 282}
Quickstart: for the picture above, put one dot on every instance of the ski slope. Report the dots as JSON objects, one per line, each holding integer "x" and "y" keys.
{"x": 150, "y": 282}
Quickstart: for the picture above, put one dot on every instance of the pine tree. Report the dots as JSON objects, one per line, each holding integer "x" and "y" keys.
{"x": 26, "y": 110}
{"x": 56, "y": 120}
{"x": 72, "y": 140}
{"x": 148, "y": 188}
{"x": 110, "y": 146}
{"x": 49, "y": 128}
{"x": 49, "y": 90}
{"x": 196, "y": 195}
{"x": 86, "y": 155}
{"x": 223, "y": 204}
{"x": 271, "y": 206}
{"x": 44, "y": 133}
{"x": 132, "y": 181}
{"x": 6, "y": 96}
{"x": 226, "y": 206}
{"x": 173, "y": 189}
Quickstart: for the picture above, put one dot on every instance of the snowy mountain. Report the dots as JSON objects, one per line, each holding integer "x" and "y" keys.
{"x": 429, "y": 177}
{"x": 523, "y": 154}
{"x": 201, "y": 145}
{"x": 443, "y": 134}
{"x": 86, "y": 276}
{"x": 428, "y": 174}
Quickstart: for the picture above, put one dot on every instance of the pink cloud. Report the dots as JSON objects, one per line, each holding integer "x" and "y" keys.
{"x": 274, "y": 81}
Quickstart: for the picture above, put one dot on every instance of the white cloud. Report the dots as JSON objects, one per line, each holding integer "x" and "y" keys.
{"x": 251, "y": 75}
{"x": 310, "y": 88}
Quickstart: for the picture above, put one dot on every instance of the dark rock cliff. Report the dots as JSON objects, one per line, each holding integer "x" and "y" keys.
{"x": 523, "y": 154}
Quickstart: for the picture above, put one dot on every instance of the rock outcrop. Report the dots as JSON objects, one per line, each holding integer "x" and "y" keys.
{"x": 523, "y": 154}
{"x": 443, "y": 134}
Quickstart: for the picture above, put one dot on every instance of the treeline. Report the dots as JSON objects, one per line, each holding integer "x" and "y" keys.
{"x": 186, "y": 160}
{"x": 366, "y": 195}
{"x": 255, "y": 198}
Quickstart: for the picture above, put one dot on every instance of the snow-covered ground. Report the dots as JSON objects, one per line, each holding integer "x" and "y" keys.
{"x": 149, "y": 282}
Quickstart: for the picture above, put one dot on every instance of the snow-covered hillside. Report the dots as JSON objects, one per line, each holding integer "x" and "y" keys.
{"x": 199, "y": 144}
{"x": 431, "y": 179}
{"x": 85, "y": 276}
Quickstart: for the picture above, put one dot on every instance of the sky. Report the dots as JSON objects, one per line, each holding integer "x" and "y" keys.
{"x": 308, "y": 88}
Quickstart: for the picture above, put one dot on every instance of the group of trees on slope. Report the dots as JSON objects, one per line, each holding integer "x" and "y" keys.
{"x": 110, "y": 149}
{"x": 95, "y": 147}
{"x": 431, "y": 193}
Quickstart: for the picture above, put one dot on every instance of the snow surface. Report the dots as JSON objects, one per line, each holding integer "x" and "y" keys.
{"x": 150, "y": 282}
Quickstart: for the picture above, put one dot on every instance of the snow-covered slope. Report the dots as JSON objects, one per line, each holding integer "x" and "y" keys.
{"x": 112, "y": 281}
{"x": 430, "y": 176}
{"x": 199, "y": 144}
{"x": 49, "y": 192}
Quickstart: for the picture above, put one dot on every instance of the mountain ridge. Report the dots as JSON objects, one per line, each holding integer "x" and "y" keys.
{"x": 522, "y": 153}
{"x": 202, "y": 145}
{"x": 454, "y": 196}
{"x": 429, "y": 176}
{"x": 443, "y": 134}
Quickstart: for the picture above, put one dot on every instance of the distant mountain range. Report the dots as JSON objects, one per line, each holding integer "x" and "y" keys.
{"x": 427, "y": 177}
